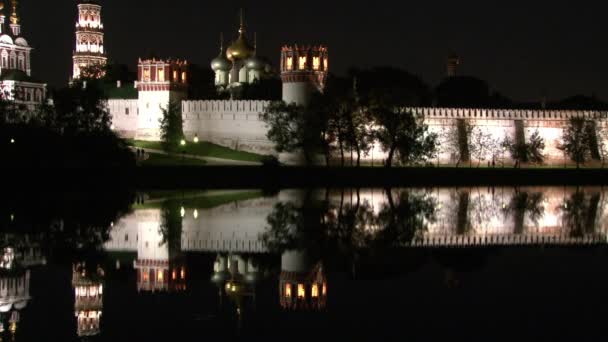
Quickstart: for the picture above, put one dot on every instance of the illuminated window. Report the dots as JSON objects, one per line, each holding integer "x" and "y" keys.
{"x": 326, "y": 63}
{"x": 161, "y": 75}
{"x": 145, "y": 275}
{"x": 316, "y": 63}
{"x": 183, "y": 273}
{"x": 161, "y": 276}
{"x": 302, "y": 63}
{"x": 174, "y": 275}
{"x": 146, "y": 75}
{"x": 288, "y": 290}
{"x": 315, "y": 291}
{"x": 175, "y": 76}
{"x": 184, "y": 77}
{"x": 324, "y": 289}
{"x": 289, "y": 63}
{"x": 301, "y": 292}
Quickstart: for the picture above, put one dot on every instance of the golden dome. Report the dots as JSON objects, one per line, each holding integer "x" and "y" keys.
{"x": 240, "y": 49}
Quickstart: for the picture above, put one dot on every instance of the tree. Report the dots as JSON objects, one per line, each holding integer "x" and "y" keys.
{"x": 576, "y": 140}
{"x": 526, "y": 152}
{"x": 359, "y": 133}
{"x": 602, "y": 141}
{"x": 404, "y": 135}
{"x": 171, "y": 127}
{"x": 481, "y": 145}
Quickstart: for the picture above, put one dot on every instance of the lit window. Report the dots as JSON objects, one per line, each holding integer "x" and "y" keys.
{"x": 183, "y": 274}
{"x": 324, "y": 289}
{"x": 160, "y": 276}
{"x": 315, "y": 291}
{"x": 326, "y": 64}
{"x": 288, "y": 290}
{"x": 289, "y": 63}
{"x": 161, "y": 75}
{"x": 184, "y": 77}
{"x": 316, "y": 63}
{"x": 146, "y": 75}
{"x": 301, "y": 291}
{"x": 175, "y": 76}
{"x": 302, "y": 63}
{"x": 145, "y": 275}
{"x": 174, "y": 275}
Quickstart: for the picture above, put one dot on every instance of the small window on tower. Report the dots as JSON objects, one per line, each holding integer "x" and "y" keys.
{"x": 146, "y": 75}
{"x": 126, "y": 111}
{"x": 302, "y": 63}
{"x": 184, "y": 78}
{"x": 326, "y": 64}
{"x": 301, "y": 291}
{"x": 316, "y": 63}
{"x": 175, "y": 76}
{"x": 289, "y": 63}
{"x": 288, "y": 290}
{"x": 161, "y": 75}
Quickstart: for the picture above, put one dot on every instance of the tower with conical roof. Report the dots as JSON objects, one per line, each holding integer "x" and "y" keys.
{"x": 304, "y": 71}
{"x": 89, "y": 50}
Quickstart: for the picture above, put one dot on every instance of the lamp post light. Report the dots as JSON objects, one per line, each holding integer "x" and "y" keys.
{"x": 12, "y": 141}
{"x": 183, "y": 145}
{"x": 196, "y": 138}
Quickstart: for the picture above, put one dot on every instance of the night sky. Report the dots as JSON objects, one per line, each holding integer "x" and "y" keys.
{"x": 523, "y": 48}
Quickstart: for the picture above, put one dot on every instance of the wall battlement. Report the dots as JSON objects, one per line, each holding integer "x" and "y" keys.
{"x": 507, "y": 114}
{"x": 224, "y": 106}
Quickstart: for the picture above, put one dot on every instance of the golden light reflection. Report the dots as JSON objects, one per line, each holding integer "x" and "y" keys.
{"x": 301, "y": 291}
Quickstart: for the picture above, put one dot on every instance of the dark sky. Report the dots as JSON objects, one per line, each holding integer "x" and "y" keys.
{"x": 523, "y": 48}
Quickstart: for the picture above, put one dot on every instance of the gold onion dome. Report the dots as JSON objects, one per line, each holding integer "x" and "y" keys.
{"x": 240, "y": 49}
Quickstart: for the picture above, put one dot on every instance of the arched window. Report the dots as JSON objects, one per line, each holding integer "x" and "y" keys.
{"x": 316, "y": 63}
{"x": 4, "y": 59}
{"x": 13, "y": 60}
{"x": 302, "y": 63}
{"x": 184, "y": 78}
{"x": 289, "y": 63}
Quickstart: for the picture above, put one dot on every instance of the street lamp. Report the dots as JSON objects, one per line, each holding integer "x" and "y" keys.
{"x": 196, "y": 138}
{"x": 12, "y": 141}
{"x": 182, "y": 212}
{"x": 183, "y": 144}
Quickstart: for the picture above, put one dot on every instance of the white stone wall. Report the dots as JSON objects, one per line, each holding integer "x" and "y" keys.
{"x": 124, "y": 116}
{"x": 234, "y": 124}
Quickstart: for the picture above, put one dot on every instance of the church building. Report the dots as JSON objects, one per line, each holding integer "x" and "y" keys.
{"x": 16, "y": 82}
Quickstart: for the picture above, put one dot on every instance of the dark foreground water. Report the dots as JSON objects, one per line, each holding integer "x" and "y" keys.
{"x": 374, "y": 264}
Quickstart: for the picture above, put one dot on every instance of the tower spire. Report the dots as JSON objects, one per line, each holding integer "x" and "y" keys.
{"x": 242, "y": 23}
{"x": 14, "y": 15}
{"x": 221, "y": 43}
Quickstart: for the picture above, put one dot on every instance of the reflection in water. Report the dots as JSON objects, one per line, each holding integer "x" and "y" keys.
{"x": 287, "y": 243}
{"x": 88, "y": 299}
{"x": 14, "y": 291}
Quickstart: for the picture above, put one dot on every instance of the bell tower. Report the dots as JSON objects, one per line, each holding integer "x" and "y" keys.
{"x": 89, "y": 48}
{"x": 303, "y": 72}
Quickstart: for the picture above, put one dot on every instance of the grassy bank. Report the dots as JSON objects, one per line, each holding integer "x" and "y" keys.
{"x": 203, "y": 149}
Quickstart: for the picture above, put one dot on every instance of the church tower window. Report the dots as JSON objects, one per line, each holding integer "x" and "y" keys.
{"x": 302, "y": 63}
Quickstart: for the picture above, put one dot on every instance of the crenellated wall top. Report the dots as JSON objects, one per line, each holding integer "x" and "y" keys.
{"x": 506, "y": 114}
{"x": 225, "y": 106}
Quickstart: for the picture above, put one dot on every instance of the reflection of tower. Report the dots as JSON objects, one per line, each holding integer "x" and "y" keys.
{"x": 89, "y": 49}
{"x": 158, "y": 266}
{"x": 88, "y": 303}
{"x": 303, "y": 72}
{"x": 453, "y": 64}
{"x": 14, "y": 291}
{"x": 302, "y": 285}
{"x": 159, "y": 82}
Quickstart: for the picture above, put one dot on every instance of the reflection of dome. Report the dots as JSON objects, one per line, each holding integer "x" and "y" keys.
{"x": 221, "y": 63}
{"x": 240, "y": 49}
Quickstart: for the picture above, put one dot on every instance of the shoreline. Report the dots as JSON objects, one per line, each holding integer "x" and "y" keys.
{"x": 255, "y": 177}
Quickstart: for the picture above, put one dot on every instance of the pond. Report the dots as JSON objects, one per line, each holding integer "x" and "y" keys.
{"x": 374, "y": 264}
